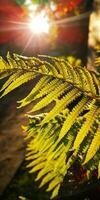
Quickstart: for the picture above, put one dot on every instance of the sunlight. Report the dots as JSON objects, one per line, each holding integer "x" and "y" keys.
{"x": 39, "y": 24}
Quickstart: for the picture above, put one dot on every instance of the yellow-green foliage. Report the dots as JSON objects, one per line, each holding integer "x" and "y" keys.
{"x": 62, "y": 135}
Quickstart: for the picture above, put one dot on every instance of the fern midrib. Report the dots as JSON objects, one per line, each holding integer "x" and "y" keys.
{"x": 87, "y": 93}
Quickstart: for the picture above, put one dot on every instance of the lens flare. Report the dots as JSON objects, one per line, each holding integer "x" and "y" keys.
{"x": 39, "y": 24}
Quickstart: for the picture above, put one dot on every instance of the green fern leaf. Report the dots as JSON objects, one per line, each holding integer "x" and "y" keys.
{"x": 12, "y": 78}
{"x": 61, "y": 104}
{"x": 72, "y": 73}
{"x": 44, "y": 69}
{"x": 53, "y": 70}
{"x": 64, "y": 70}
{"x": 5, "y": 74}
{"x": 89, "y": 80}
{"x": 97, "y": 83}
{"x": 19, "y": 81}
{"x": 48, "y": 88}
{"x": 83, "y": 79}
{"x": 50, "y": 97}
{"x": 58, "y": 137}
{"x": 94, "y": 146}
{"x": 72, "y": 117}
{"x": 54, "y": 183}
{"x": 3, "y": 65}
{"x": 38, "y": 167}
{"x": 71, "y": 159}
{"x": 91, "y": 116}
{"x": 41, "y": 83}
{"x": 47, "y": 178}
{"x": 42, "y": 173}
{"x": 55, "y": 192}
{"x": 36, "y": 162}
{"x": 11, "y": 61}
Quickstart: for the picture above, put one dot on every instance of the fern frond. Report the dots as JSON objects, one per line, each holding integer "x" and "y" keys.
{"x": 36, "y": 161}
{"x": 11, "y": 61}
{"x": 54, "y": 183}
{"x": 97, "y": 82}
{"x": 55, "y": 191}
{"x": 66, "y": 72}
{"x": 91, "y": 116}
{"x": 61, "y": 104}
{"x": 37, "y": 167}
{"x": 11, "y": 79}
{"x": 30, "y": 97}
{"x": 73, "y": 116}
{"x": 4, "y": 74}
{"x": 89, "y": 81}
{"x": 72, "y": 74}
{"x": 48, "y": 179}
{"x": 71, "y": 159}
{"x": 19, "y": 81}
{"x": 64, "y": 134}
{"x": 3, "y": 65}
{"x": 51, "y": 68}
{"x": 50, "y": 97}
{"x": 94, "y": 146}
{"x": 48, "y": 88}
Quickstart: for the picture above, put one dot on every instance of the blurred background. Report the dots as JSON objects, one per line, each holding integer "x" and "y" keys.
{"x": 66, "y": 22}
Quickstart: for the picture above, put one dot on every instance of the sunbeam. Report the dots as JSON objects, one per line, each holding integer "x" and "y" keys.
{"x": 71, "y": 19}
{"x": 7, "y": 25}
{"x": 29, "y": 39}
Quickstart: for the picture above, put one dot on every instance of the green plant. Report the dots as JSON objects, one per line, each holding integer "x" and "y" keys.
{"x": 70, "y": 130}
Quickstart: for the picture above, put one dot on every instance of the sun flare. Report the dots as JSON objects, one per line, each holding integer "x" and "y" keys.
{"x": 39, "y": 24}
